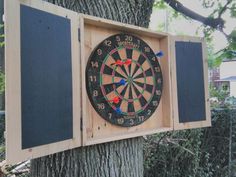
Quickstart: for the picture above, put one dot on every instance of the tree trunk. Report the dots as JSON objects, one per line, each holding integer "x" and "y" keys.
{"x": 2, "y": 63}
{"x": 1, "y": 40}
{"x": 116, "y": 159}
{"x": 121, "y": 158}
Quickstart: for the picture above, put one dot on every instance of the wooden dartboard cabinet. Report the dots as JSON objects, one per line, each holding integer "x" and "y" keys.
{"x": 75, "y": 80}
{"x": 96, "y": 129}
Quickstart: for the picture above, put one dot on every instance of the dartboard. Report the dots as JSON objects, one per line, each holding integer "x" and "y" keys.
{"x": 124, "y": 80}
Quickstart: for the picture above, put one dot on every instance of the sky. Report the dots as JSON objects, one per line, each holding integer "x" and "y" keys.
{"x": 187, "y": 27}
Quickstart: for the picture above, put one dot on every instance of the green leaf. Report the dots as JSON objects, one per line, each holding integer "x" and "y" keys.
{"x": 218, "y": 61}
{"x": 233, "y": 11}
{"x": 2, "y": 82}
{"x": 2, "y": 44}
{"x": 160, "y": 4}
{"x": 232, "y": 40}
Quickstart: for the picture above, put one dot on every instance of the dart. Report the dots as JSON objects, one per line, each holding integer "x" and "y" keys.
{"x": 118, "y": 110}
{"x": 118, "y": 62}
{"x": 121, "y": 82}
{"x": 115, "y": 100}
{"x": 160, "y": 54}
{"x": 128, "y": 62}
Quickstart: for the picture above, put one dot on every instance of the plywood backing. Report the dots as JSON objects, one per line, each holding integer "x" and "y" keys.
{"x": 96, "y": 129}
{"x": 14, "y": 151}
{"x": 167, "y": 94}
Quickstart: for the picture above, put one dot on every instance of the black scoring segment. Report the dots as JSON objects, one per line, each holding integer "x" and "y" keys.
{"x": 141, "y": 59}
{"x": 142, "y": 101}
{"x": 116, "y": 56}
{"x": 124, "y": 91}
{"x": 136, "y": 90}
{"x": 108, "y": 88}
{"x": 148, "y": 72}
{"x": 129, "y": 53}
{"x": 108, "y": 70}
{"x": 131, "y": 107}
{"x": 149, "y": 88}
{"x": 130, "y": 92}
{"x": 129, "y": 56}
{"x": 124, "y": 70}
{"x": 119, "y": 75}
{"x": 141, "y": 75}
{"x": 139, "y": 84}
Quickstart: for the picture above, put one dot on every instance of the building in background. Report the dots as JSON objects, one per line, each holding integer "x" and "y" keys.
{"x": 214, "y": 75}
{"x": 227, "y": 80}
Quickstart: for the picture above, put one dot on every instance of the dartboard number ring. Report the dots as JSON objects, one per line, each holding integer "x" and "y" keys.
{"x": 124, "y": 80}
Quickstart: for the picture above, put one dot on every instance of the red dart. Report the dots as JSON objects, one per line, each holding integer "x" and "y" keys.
{"x": 128, "y": 62}
{"x": 118, "y": 62}
{"x": 115, "y": 100}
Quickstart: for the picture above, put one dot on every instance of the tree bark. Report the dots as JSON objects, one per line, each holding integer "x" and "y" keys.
{"x": 136, "y": 12}
{"x": 1, "y": 39}
{"x": 115, "y": 159}
{"x": 2, "y": 62}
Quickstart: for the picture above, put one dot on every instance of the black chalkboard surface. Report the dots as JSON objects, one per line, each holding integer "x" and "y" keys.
{"x": 46, "y": 78}
{"x": 190, "y": 81}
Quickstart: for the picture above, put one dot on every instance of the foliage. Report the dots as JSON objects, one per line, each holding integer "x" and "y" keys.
{"x": 218, "y": 9}
{"x": 160, "y": 4}
{"x": 215, "y": 143}
{"x": 230, "y": 51}
{"x": 198, "y": 152}
{"x": 220, "y": 94}
{"x": 190, "y": 153}
{"x": 2, "y": 82}
{"x": 216, "y": 22}
{"x": 172, "y": 154}
{"x": 1, "y": 37}
{"x": 172, "y": 16}
{"x": 213, "y": 60}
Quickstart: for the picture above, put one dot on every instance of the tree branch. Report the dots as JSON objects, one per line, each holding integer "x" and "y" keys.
{"x": 216, "y": 23}
{"x": 224, "y": 8}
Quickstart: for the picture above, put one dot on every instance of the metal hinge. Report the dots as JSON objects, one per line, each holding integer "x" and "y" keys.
{"x": 81, "y": 124}
{"x": 79, "y": 34}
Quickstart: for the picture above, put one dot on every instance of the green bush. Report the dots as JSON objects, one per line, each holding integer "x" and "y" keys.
{"x": 190, "y": 153}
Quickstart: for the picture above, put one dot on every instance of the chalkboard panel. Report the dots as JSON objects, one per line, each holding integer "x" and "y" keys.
{"x": 46, "y": 78}
{"x": 190, "y": 81}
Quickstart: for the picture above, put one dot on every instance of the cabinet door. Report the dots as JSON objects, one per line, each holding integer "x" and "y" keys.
{"x": 42, "y": 79}
{"x": 189, "y": 83}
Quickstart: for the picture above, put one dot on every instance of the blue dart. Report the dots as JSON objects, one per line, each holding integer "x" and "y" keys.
{"x": 121, "y": 82}
{"x": 118, "y": 110}
{"x": 160, "y": 54}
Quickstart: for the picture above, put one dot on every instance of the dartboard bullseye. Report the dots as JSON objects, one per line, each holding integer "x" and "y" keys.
{"x": 124, "y": 80}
